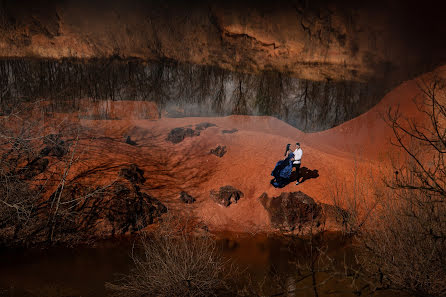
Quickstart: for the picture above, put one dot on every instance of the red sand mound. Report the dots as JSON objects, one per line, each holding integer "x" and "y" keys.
{"x": 252, "y": 152}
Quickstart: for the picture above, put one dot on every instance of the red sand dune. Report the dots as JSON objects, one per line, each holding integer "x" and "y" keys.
{"x": 252, "y": 153}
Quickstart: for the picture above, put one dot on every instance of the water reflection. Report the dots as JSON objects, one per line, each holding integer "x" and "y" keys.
{"x": 181, "y": 90}
{"x": 269, "y": 265}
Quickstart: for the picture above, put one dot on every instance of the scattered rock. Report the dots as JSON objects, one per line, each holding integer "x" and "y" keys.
{"x": 133, "y": 173}
{"x": 128, "y": 140}
{"x": 54, "y": 146}
{"x": 219, "y": 151}
{"x": 226, "y": 195}
{"x": 291, "y": 211}
{"x": 131, "y": 210}
{"x": 229, "y": 131}
{"x": 117, "y": 208}
{"x": 177, "y": 135}
{"x": 186, "y": 198}
{"x": 205, "y": 125}
{"x": 34, "y": 168}
{"x": 120, "y": 189}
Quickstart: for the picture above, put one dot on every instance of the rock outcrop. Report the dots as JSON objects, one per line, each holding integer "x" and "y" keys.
{"x": 115, "y": 209}
{"x": 54, "y": 146}
{"x": 229, "y": 131}
{"x": 219, "y": 151}
{"x": 129, "y": 141}
{"x": 34, "y": 168}
{"x": 133, "y": 174}
{"x": 292, "y": 211}
{"x": 186, "y": 198}
{"x": 177, "y": 135}
{"x": 129, "y": 209}
{"x": 204, "y": 126}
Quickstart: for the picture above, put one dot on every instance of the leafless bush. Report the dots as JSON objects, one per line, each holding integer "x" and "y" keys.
{"x": 18, "y": 150}
{"x": 173, "y": 262}
{"x": 405, "y": 245}
{"x": 23, "y": 160}
{"x": 35, "y": 191}
{"x": 354, "y": 197}
{"x": 402, "y": 251}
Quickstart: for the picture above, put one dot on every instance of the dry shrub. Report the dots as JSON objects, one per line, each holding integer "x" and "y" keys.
{"x": 36, "y": 157}
{"x": 174, "y": 262}
{"x": 400, "y": 220}
{"x": 404, "y": 246}
{"x": 355, "y": 197}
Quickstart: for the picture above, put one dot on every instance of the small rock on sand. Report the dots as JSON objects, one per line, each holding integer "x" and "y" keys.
{"x": 290, "y": 211}
{"x": 186, "y": 198}
{"x": 219, "y": 151}
{"x": 177, "y": 135}
{"x": 226, "y": 195}
{"x": 229, "y": 131}
{"x": 204, "y": 125}
{"x": 133, "y": 173}
{"x": 129, "y": 140}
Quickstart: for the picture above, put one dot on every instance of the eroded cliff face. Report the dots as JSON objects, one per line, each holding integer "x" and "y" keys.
{"x": 314, "y": 64}
{"x": 315, "y": 40}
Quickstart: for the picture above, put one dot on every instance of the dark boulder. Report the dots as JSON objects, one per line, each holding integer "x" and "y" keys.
{"x": 115, "y": 209}
{"x": 291, "y": 211}
{"x": 219, "y": 151}
{"x": 177, "y": 135}
{"x": 133, "y": 174}
{"x": 34, "y": 168}
{"x": 226, "y": 195}
{"x": 129, "y": 141}
{"x": 54, "y": 146}
{"x": 205, "y": 125}
{"x": 129, "y": 209}
{"x": 186, "y": 198}
{"x": 229, "y": 131}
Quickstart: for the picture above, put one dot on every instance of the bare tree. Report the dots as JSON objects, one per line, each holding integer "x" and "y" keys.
{"x": 41, "y": 202}
{"x": 354, "y": 197}
{"x": 404, "y": 246}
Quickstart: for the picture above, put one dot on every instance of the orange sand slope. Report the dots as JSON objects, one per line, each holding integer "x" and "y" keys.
{"x": 252, "y": 153}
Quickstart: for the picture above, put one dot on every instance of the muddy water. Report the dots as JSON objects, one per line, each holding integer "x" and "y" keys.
{"x": 79, "y": 271}
{"x": 83, "y": 271}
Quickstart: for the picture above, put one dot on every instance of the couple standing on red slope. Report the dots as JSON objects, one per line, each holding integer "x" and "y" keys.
{"x": 296, "y": 159}
{"x": 284, "y": 168}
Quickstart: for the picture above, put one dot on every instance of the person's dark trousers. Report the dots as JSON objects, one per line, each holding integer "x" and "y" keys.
{"x": 297, "y": 167}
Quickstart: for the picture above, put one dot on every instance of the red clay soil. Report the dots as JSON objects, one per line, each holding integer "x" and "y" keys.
{"x": 252, "y": 153}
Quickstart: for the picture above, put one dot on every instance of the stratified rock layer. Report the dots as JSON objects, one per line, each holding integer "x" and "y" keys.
{"x": 315, "y": 40}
